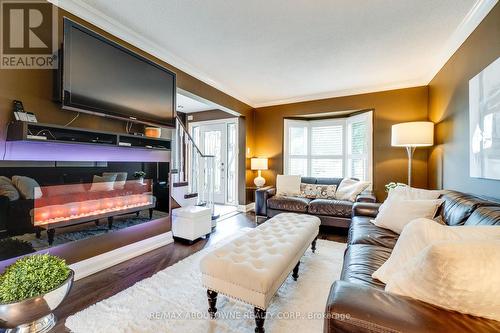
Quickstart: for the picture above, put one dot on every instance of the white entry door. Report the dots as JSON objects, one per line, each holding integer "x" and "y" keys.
{"x": 213, "y": 141}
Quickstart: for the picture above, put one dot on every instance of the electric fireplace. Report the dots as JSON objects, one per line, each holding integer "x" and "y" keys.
{"x": 67, "y": 205}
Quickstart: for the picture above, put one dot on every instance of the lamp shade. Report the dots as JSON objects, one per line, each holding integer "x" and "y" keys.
{"x": 413, "y": 134}
{"x": 258, "y": 163}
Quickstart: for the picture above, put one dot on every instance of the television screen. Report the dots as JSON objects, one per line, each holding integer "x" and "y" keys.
{"x": 104, "y": 78}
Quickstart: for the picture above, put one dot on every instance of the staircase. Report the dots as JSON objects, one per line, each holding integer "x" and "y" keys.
{"x": 192, "y": 171}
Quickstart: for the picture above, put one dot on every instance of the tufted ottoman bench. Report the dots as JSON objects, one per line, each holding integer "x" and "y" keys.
{"x": 252, "y": 267}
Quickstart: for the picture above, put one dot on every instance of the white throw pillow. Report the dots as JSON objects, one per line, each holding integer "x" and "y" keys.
{"x": 410, "y": 193}
{"x": 120, "y": 181}
{"x": 399, "y": 213}
{"x": 288, "y": 185}
{"x": 104, "y": 183}
{"x": 422, "y": 232}
{"x": 27, "y": 187}
{"x": 349, "y": 189}
{"x": 457, "y": 275}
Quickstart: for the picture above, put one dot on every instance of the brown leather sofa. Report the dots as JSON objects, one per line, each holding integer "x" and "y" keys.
{"x": 358, "y": 303}
{"x": 331, "y": 212}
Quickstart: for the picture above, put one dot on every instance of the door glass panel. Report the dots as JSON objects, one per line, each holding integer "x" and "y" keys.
{"x": 231, "y": 163}
{"x": 212, "y": 140}
{"x": 196, "y": 135}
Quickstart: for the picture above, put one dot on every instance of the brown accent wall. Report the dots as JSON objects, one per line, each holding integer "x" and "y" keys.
{"x": 449, "y": 109}
{"x": 390, "y": 107}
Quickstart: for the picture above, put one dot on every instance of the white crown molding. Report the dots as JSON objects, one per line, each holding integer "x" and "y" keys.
{"x": 84, "y": 11}
{"x": 470, "y": 22}
{"x": 473, "y": 18}
{"x": 344, "y": 93}
{"x": 100, "y": 262}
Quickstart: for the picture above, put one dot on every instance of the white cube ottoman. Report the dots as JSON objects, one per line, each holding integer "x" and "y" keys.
{"x": 252, "y": 267}
{"x": 191, "y": 222}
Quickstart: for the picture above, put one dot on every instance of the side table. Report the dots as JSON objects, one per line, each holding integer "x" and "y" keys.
{"x": 257, "y": 198}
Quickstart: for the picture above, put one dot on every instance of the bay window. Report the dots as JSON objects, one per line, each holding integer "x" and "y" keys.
{"x": 339, "y": 147}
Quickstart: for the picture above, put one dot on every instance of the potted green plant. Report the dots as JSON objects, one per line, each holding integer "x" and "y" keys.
{"x": 30, "y": 289}
{"x": 140, "y": 176}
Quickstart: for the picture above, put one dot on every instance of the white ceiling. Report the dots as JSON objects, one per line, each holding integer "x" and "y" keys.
{"x": 270, "y": 52}
{"x": 189, "y": 105}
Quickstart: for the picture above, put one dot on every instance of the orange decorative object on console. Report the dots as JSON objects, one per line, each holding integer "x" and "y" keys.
{"x": 152, "y": 132}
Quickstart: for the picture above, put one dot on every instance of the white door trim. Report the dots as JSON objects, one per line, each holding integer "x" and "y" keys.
{"x": 211, "y": 122}
{"x": 224, "y": 121}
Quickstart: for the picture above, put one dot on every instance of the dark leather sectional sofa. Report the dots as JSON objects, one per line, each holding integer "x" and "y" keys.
{"x": 358, "y": 303}
{"x": 331, "y": 212}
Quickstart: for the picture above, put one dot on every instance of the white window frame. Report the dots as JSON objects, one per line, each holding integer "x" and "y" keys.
{"x": 345, "y": 156}
{"x": 288, "y": 123}
{"x": 366, "y": 117}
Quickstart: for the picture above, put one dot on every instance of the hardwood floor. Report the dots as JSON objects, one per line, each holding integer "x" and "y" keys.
{"x": 104, "y": 284}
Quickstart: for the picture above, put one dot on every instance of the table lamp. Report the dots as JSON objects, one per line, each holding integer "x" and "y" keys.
{"x": 412, "y": 135}
{"x": 258, "y": 163}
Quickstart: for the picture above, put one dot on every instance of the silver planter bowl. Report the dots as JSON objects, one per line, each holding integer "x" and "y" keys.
{"x": 35, "y": 314}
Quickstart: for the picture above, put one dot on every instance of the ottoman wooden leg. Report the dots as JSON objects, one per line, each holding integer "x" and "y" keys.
{"x": 212, "y": 300}
{"x": 295, "y": 274}
{"x": 260, "y": 316}
{"x": 313, "y": 244}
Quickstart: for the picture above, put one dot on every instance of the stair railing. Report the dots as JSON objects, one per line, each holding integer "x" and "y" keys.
{"x": 193, "y": 166}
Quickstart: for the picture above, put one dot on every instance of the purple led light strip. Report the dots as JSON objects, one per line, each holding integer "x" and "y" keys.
{"x": 47, "y": 151}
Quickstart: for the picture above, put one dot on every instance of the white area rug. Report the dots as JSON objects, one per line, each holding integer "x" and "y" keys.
{"x": 174, "y": 300}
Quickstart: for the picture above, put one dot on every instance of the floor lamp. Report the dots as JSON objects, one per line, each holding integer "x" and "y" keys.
{"x": 412, "y": 135}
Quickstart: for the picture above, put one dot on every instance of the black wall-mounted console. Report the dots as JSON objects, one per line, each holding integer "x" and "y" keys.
{"x": 39, "y": 132}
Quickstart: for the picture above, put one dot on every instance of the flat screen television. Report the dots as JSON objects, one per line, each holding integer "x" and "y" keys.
{"x": 103, "y": 78}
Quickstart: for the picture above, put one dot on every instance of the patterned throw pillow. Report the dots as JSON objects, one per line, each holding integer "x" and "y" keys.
{"x": 317, "y": 191}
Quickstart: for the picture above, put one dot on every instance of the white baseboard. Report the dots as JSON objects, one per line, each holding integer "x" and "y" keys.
{"x": 100, "y": 262}
{"x": 246, "y": 208}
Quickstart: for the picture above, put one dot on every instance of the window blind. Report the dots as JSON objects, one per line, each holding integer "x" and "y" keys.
{"x": 329, "y": 148}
